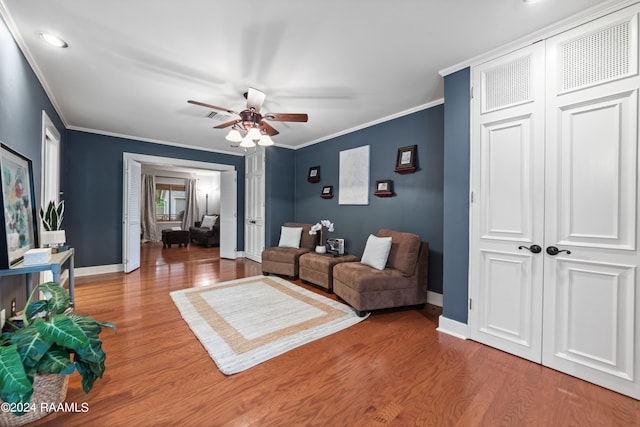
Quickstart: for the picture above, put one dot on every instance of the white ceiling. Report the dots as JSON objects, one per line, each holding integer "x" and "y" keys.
{"x": 131, "y": 66}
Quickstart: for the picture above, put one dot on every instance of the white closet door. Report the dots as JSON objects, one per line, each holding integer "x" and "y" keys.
{"x": 131, "y": 216}
{"x": 591, "y": 295}
{"x": 507, "y": 210}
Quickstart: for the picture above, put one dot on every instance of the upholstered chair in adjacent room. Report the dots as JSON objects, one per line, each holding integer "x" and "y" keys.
{"x": 283, "y": 259}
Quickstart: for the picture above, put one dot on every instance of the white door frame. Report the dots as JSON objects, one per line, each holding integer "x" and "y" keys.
{"x": 168, "y": 161}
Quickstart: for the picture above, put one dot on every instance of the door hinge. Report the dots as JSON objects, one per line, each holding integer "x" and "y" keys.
{"x": 471, "y": 197}
{"x": 470, "y": 304}
{"x": 471, "y": 92}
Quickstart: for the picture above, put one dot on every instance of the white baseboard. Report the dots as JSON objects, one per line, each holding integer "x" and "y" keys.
{"x": 434, "y": 298}
{"x": 98, "y": 269}
{"x": 452, "y": 327}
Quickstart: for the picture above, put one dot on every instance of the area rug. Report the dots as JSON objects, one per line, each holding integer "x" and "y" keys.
{"x": 247, "y": 321}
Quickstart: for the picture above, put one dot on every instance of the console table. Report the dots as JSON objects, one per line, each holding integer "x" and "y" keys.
{"x": 54, "y": 265}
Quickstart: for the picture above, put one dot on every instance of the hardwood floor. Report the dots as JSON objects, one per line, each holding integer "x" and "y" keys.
{"x": 392, "y": 369}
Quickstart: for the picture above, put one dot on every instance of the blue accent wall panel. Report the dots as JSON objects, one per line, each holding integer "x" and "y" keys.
{"x": 279, "y": 192}
{"x": 417, "y": 205}
{"x": 457, "y": 135}
{"x": 22, "y": 100}
{"x": 93, "y": 194}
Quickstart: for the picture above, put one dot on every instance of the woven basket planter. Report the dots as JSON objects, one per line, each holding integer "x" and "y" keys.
{"x": 47, "y": 388}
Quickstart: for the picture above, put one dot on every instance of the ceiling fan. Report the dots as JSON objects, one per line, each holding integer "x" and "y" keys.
{"x": 250, "y": 125}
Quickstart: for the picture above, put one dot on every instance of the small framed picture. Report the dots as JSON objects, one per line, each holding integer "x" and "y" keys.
{"x": 383, "y": 188}
{"x": 327, "y": 192}
{"x": 314, "y": 174}
{"x": 406, "y": 159}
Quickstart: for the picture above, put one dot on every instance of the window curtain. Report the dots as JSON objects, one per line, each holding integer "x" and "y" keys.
{"x": 148, "y": 212}
{"x": 191, "y": 211}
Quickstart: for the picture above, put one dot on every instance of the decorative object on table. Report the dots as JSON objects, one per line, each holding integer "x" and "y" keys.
{"x": 53, "y": 236}
{"x": 244, "y": 322}
{"x": 47, "y": 338}
{"x": 406, "y": 159}
{"x": 335, "y": 246}
{"x": 314, "y": 174}
{"x": 354, "y": 176}
{"x": 317, "y": 228}
{"x": 37, "y": 256}
{"x": 19, "y": 224}
{"x": 327, "y": 192}
{"x": 384, "y": 188}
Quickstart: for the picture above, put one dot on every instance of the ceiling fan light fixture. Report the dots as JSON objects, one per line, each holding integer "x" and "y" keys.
{"x": 54, "y": 40}
{"x": 247, "y": 143}
{"x": 234, "y": 136}
{"x": 254, "y": 134}
{"x": 265, "y": 140}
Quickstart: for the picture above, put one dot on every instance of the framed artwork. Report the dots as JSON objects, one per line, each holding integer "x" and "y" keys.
{"x": 383, "y": 188}
{"x": 19, "y": 211}
{"x": 314, "y": 174}
{"x": 406, "y": 159}
{"x": 354, "y": 176}
{"x": 327, "y": 192}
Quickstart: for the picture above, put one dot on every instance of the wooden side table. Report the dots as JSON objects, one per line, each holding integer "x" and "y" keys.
{"x": 318, "y": 268}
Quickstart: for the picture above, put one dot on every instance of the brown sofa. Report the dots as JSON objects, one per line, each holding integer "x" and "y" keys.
{"x": 285, "y": 261}
{"x": 403, "y": 282}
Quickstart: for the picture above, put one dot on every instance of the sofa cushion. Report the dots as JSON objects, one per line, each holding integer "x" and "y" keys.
{"x": 404, "y": 250}
{"x": 290, "y": 237}
{"x": 208, "y": 221}
{"x": 376, "y": 252}
{"x": 362, "y": 278}
{"x": 307, "y": 240}
{"x": 284, "y": 255}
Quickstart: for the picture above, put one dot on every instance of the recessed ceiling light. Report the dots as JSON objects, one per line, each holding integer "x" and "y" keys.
{"x": 53, "y": 40}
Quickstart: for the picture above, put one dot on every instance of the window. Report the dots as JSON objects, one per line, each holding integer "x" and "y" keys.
{"x": 170, "y": 202}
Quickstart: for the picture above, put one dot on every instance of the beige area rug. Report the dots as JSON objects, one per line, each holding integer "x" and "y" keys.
{"x": 244, "y": 322}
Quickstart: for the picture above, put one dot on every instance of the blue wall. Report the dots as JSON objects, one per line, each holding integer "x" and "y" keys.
{"x": 417, "y": 205}
{"x": 456, "y": 195}
{"x": 22, "y": 100}
{"x": 279, "y": 192}
{"x": 93, "y": 193}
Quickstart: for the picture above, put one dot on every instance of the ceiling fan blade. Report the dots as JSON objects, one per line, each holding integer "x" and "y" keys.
{"x": 286, "y": 117}
{"x": 255, "y": 98}
{"x": 226, "y": 125}
{"x": 202, "y": 104}
{"x": 268, "y": 129}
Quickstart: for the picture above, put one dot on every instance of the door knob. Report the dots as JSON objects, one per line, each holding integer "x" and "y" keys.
{"x": 535, "y": 249}
{"x": 553, "y": 251}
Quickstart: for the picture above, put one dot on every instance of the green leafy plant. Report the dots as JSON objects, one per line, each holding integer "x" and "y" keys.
{"x": 52, "y": 217}
{"x": 51, "y": 339}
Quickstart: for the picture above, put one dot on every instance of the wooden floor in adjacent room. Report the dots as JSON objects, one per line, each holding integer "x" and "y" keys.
{"x": 392, "y": 369}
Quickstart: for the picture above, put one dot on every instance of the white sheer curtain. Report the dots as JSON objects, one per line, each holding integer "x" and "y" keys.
{"x": 148, "y": 211}
{"x": 191, "y": 211}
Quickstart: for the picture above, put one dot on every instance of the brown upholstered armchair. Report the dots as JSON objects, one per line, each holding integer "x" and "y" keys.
{"x": 402, "y": 282}
{"x": 285, "y": 260}
{"x": 208, "y": 236}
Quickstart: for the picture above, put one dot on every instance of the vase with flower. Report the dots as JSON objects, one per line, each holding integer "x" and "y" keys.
{"x": 317, "y": 228}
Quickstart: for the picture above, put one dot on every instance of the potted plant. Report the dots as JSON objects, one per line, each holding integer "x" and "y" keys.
{"x": 50, "y": 338}
{"x": 53, "y": 235}
{"x": 317, "y": 228}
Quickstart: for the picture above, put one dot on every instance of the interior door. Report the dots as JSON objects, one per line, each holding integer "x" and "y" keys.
{"x": 131, "y": 216}
{"x": 507, "y": 209}
{"x": 591, "y": 296}
{"x": 254, "y": 206}
{"x": 228, "y": 214}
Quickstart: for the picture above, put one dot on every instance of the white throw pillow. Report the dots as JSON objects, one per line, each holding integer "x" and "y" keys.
{"x": 376, "y": 251}
{"x": 290, "y": 237}
{"x": 209, "y": 221}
